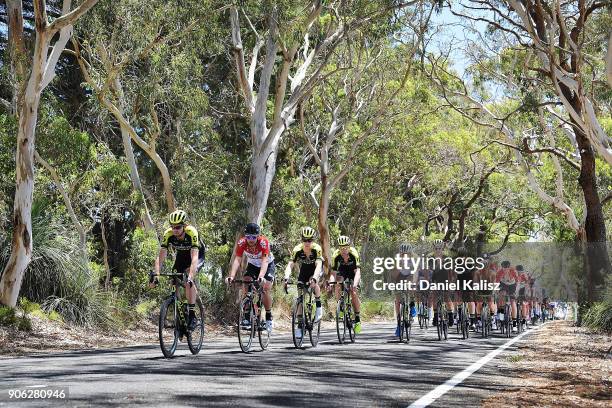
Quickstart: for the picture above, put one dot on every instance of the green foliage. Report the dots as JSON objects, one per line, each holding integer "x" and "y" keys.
{"x": 599, "y": 317}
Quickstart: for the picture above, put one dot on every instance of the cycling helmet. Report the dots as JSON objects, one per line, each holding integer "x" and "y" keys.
{"x": 343, "y": 240}
{"x": 505, "y": 264}
{"x": 520, "y": 268}
{"x": 252, "y": 229}
{"x": 438, "y": 244}
{"x": 308, "y": 233}
{"x": 177, "y": 217}
{"x": 405, "y": 248}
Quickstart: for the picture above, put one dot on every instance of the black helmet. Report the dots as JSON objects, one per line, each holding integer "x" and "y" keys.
{"x": 505, "y": 264}
{"x": 519, "y": 268}
{"x": 251, "y": 228}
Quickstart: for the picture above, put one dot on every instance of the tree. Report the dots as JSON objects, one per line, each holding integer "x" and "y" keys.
{"x": 29, "y": 91}
{"x": 306, "y": 38}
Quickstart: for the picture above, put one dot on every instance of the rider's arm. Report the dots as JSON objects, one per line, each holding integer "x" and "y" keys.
{"x": 163, "y": 252}
{"x": 357, "y": 277}
{"x": 288, "y": 270}
{"x": 318, "y": 270}
{"x": 235, "y": 266}
{"x": 195, "y": 255}
{"x": 264, "y": 266}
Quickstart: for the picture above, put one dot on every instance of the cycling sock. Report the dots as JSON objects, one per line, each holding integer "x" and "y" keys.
{"x": 268, "y": 315}
{"x": 357, "y": 318}
{"x": 318, "y": 301}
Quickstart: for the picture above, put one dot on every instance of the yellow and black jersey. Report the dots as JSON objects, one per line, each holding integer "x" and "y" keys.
{"x": 340, "y": 265}
{"x": 182, "y": 246}
{"x": 307, "y": 261}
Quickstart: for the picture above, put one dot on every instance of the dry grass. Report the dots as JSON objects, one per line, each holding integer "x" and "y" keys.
{"x": 564, "y": 366}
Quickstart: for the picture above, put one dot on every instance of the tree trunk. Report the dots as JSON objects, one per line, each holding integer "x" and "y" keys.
{"x": 597, "y": 263}
{"x": 135, "y": 177}
{"x": 322, "y": 224}
{"x": 263, "y": 168}
{"x": 17, "y": 51}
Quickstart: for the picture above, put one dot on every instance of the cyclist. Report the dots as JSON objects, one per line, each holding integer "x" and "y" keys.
{"x": 507, "y": 278}
{"x": 260, "y": 265}
{"x": 188, "y": 260}
{"x": 310, "y": 257}
{"x": 407, "y": 274}
{"x": 440, "y": 275}
{"x": 523, "y": 290}
{"x": 345, "y": 264}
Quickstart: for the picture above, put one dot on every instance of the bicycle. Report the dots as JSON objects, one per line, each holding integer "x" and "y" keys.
{"x": 506, "y": 324}
{"x": 442, "y": 320}
{"x": 173, "y": 320}
{"x": 463, "y": 323}
{"x": 302, "y": 316}
{"x": 485, "y": 322}
{"x": 423, "y": 311}
{"x": 344, "y": 313}
{"x": 404, "y": 318}
{"x": 249, "y": 318}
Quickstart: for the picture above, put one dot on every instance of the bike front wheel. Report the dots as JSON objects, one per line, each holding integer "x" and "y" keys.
{"x": 168, "y": 327}
{"x": 195, "y": 337}
{"x": 297, "y": 323}
{"x": 340, "y": 322}
{"x": 246, "y": 324}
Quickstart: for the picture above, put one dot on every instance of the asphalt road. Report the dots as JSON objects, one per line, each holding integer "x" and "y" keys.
{"x": 376, "y": 371}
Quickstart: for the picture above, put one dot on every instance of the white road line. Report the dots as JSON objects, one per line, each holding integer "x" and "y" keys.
{"x": 458, "y": 378}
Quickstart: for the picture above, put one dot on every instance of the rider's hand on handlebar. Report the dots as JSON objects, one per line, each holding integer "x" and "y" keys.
{"x": 153, "y": 281}
{"x": 260, "y": 280}
{"x": 229, "y": 280}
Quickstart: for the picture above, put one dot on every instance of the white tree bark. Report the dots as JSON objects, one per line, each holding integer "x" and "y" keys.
{"x": 42, "y": 72}
{"x": 609, "y": 62}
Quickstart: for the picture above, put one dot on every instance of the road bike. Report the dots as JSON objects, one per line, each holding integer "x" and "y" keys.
{"x": 250, "y": 323}
{"x": 404, "y": 319}
{"x": 302, "y": 316}
{"x": 442, "y": 318}
{"x": 345, "y": 318}
{"x": 423, "y": 310}
{"x": 173, "y": 316}
{"x": 463, "y": 321}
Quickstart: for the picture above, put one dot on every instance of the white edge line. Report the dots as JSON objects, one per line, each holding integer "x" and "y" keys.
{"x": 458, "y": 378}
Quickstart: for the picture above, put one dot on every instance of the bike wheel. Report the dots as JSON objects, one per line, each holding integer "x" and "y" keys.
{"x": 315, "y": 328}
{"x": 426, "y": 315}
{"x": 400, "y": 321}
{"x": 350, "y": 323}
{"x": 246, "y": 334}
{"x": 297, "y": 322}
{"x": 440, "y": 323}
{"x": 195, "y": 337}
{"x": 484, "y": 317}
{"x": 340, "y": 322}
{"x": 168, "y": 327}
{"x": 408, "y": 325}
{"x": 508, "y": 321}
{"x": 262, "y": 332}
{"x": 421, "y": 316}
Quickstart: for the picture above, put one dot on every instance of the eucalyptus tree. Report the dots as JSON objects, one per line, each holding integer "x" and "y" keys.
{"x": 33, "y": 76}
{"x": 304, "y": 37}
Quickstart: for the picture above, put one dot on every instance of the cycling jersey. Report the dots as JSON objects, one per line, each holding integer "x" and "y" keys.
{"x": 256, "y": 252}
{"x": 346, "y": 268}
{"x": 183, "y": 246}
{"x": 307, "y": 262}
{"x": 507, "y": 276}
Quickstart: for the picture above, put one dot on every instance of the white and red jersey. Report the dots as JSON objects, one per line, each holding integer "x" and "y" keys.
{"x": 256, "y": 252}
{"x": 507, "y": 276}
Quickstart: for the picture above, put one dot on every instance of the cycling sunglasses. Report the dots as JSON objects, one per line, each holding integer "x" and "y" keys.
{"x": 251, "y": 236}
{"x": 307, "y": 240}
{"x": 177, "y": 227}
